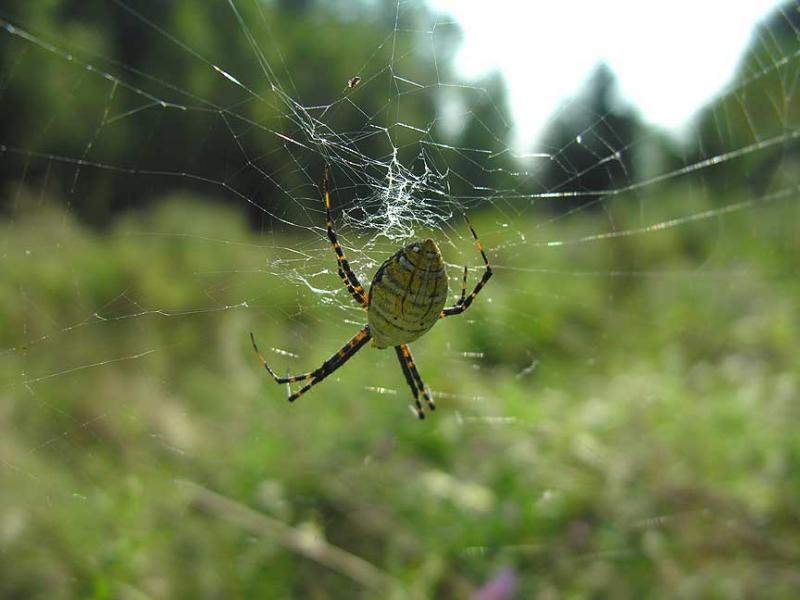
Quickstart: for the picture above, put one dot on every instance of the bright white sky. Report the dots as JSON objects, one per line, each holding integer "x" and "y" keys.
{"x": 669, "y": 57}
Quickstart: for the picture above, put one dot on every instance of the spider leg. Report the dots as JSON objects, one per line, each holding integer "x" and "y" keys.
{"x": 344, "y": 271}
{"x": 358, "y": 297}
{"x": 463, "y": 303}
{"x": 410, "y": 369}
{"x": 463, "y": 288}
{"x": 329, "y": 366}
{"x": 410, "y": 380}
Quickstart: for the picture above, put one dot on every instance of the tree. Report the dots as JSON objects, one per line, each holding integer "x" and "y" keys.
{"x": 758, "y": 115}
{"x": 590, "y": 146}
{"x": 145, "y": 99}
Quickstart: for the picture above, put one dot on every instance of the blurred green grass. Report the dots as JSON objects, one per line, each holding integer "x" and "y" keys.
{"x": 617, "y": 418}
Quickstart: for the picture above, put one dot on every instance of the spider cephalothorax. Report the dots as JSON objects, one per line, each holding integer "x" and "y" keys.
{"x": 406, "y": 298}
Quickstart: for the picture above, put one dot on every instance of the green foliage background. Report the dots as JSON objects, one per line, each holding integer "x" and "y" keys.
{"x": 653, "y": 448}
{"x": 616, "y": 418}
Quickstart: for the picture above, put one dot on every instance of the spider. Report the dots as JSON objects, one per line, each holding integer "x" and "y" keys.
{"x": 406, "y": 298}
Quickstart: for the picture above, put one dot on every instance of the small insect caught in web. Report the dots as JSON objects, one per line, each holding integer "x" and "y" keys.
{"x": 353, "y": 82}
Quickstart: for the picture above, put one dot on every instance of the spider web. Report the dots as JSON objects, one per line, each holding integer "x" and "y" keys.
{"x": 104, "y": 366}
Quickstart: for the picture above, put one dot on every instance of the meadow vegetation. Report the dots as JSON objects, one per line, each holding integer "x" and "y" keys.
{"x": 616, "y": 418}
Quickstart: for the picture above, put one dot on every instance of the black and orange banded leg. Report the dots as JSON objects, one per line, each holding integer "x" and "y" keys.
{"x": 344, "y": 271}
{"x": 414, "y": 379}
{"x": 329, "y": 366}
{"x": 463, "y": 303}
{"x": 463, "y": 288}
{"x": 410, "y": 381}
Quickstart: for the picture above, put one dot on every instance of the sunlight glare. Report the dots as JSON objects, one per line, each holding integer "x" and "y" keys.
{"x": 669, "y": 58}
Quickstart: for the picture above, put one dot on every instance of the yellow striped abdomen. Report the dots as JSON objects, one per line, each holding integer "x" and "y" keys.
{"x": 407, "y": 295}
